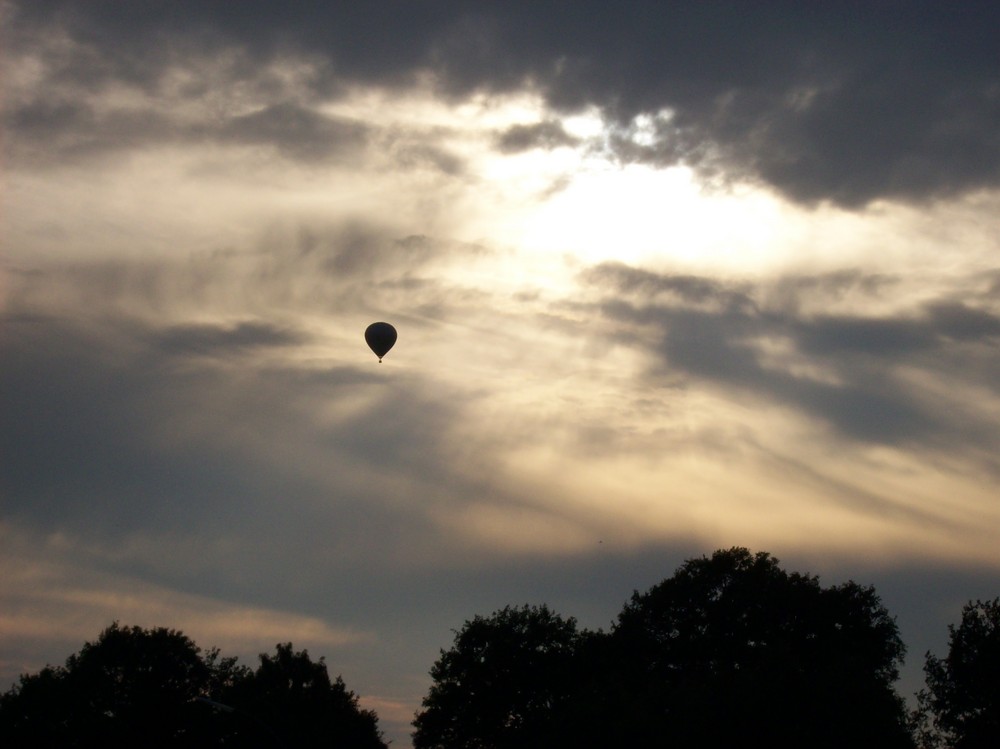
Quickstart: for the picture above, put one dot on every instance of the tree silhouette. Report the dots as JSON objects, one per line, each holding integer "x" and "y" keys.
{"x": 293, "y": 702}
{"x": 154, "y": 688}
{"x": 960, "y": 707}
{"x": 732, "y": 648}
{"x": 501, "y": 683}
{"x": 132, "y": 687}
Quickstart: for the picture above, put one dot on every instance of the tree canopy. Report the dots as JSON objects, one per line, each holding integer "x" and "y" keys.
{"x": 960, "y": 707}
{"x": 156, "y": 688}
{"x": 294, "y": 697}
{"x": 730, "y": 650}
{"x": 732, "y": 647}
{"x": 502, "y": 681}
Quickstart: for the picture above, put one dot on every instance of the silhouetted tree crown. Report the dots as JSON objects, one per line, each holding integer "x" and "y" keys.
{"x": 295, "y": 698}
{"x": 154, "y": 688}
{"x": 730, "y": 651}
{"x": 960, "y": 708}
{"x": 501, "y": 682}
{"x": 732, "y": 646}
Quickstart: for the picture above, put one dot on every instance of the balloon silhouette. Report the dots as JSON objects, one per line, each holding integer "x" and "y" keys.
{"x": 380, "y": 337}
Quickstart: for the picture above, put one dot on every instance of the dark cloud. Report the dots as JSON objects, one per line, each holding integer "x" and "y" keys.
{"x": 360, "y": 253}
{"x": 60, "y": 131}
{"x": 296, "y": 131}
{"x": 546, "y": 135}
{"x": 112, "y": 430}
{"x": 718, "y": 332}
{"x": 64, "y": 130}
{"x": 837, "y": 101}
{"x": 354, "y": 268}
{"x": 890, "y": 338}
{"x": 689, "y": 289}
{"x": 413, "y": 153}
{"x": 223, "y": 339}
{"x": 172, "y": 393}
{"x": 791, "y": 292}
{"x": 959, "y": 321}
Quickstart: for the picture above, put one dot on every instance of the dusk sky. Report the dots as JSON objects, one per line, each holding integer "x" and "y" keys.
{"x": 667, "y": 278}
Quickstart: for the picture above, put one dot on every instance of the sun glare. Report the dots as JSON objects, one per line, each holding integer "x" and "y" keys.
{"x": 641, "y": 215}
{"x": 571, "y": 201}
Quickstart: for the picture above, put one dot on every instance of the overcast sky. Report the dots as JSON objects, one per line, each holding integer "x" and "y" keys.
{"x": 668, "y": 278}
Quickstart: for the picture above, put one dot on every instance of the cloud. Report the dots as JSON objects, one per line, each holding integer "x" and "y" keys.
{"x": 56, "y": 598}
{"x": 223, "y": 395}
{"x": 38, "y": 592}
{"x": 113, "y": 431}
{"x": 296, "y": 131}
{"x": 222, "y": 339}
{"x": 823, "y": 103}
{"x": 76, "y": 126}
{"x": 549, "y": 134}
{"x": 648, "y": 285}
{"x": 855, "y": 372}
{"x": 959, "y": 321}
{"x": 257, "y": 291}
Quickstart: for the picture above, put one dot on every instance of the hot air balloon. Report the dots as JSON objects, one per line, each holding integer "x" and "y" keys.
{"x": 380, "y": 337}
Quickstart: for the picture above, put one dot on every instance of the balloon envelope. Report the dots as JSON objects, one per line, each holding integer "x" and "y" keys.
{"x": 380, "y": 337}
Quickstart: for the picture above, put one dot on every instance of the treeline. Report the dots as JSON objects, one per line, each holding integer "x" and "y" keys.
{"x": 155, "y": 688}
{"x": 730, "y": 650}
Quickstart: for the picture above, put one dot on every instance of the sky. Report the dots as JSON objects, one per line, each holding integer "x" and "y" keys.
{"x": 667, "y": 277}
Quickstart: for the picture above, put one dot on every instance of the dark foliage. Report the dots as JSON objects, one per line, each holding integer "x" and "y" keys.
{"x": 500, "y": 684}
{"x": 155, "y": 688}
{"x": 961, "y": 706}
{"x": 729, "y": 651}
{"x": 293, "y": 701}
{"x": 733, "y": 647}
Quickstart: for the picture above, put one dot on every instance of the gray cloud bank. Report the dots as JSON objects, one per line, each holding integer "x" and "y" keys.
{"x": 845, "y": 102}
{"x": 847, "y": 370}
{"x": 193, "y": 396}
{"x": 201, "y": 387}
